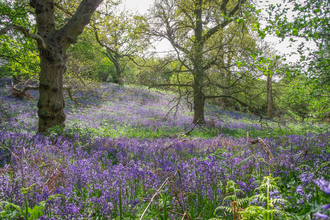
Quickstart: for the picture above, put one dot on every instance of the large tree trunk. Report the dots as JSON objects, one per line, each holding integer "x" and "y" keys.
{"x": 115, "y": 59}
{"x": 51, "y": 101}
{"x": 199, "y": 97}
{"x": 227, "y": 92}
{"x": 53, "y": 57}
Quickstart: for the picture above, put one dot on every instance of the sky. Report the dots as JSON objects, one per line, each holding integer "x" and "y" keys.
{"x": 282, "y": 47}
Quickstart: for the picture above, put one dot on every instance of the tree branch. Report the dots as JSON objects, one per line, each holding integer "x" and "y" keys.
{"x": 169, "y": 84}
{"x": 226, "y": 87}
{"x": 75, "y": 26}
{"x": 227, "y": 96}
{"x": 26, "y": 33}
{"x": 63, "y": 9}
{"x": 225, "y": 23}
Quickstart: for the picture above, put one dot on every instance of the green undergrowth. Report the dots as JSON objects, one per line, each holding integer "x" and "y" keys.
{"x": 204, "y": 131}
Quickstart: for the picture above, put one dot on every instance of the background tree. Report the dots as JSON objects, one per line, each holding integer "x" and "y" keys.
{"x": 87, "y": 54}
{"x": 271, "y": 66}
{"x": 233, "y": 69}
{"x": 309, "y": 22}
{"x": 52, "y": 45}
{"x": 121, "y": 36}
{"x": 197, "y": 30}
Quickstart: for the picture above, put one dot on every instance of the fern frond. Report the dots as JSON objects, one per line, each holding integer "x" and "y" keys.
{"x": 275, "y": 201}
{"x": 229, "y": 198}
{"x": 259, "y": 197}
{"x": 242, "y": 202}
{"x": 224, "y": 208}
{"x": 255, "y": 212}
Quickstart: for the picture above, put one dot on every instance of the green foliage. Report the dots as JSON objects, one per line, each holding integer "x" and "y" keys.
{"x": 86, "y": 60}
{"x": 270, "y": 209}
{"x": 308, "y": 21}
{"x": 20, "y": 53}
{"x": 298, "y": 100}
{"x": 12, "y": 211}
{"x": 236, "y": 203}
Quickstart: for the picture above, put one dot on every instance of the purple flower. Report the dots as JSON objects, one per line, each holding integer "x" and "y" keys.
{"x": 306, "y": 177}
{"x": 324, "y": 185}
{"x": 321, "y": 216}
{"x": 326, "y": 207}
{"x": 300, "y": 190}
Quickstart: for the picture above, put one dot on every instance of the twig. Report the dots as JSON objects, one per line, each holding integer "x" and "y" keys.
{"x": 176, "y": 212}
{"x": 188, "y": 132}
{"x": 264, "y": 146}
{"x": 152, "y": 199}
{"x": 20, "y": 164}
{"x": 184, "y": 216}
{"x": 68, "y": 89}
{"x": 157, "y": 192}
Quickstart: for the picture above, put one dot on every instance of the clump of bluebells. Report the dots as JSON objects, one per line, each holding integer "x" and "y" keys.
{"x": 104, "y": 177}
{"x": 82, "y": 176}
{"x": 325, "y": 188}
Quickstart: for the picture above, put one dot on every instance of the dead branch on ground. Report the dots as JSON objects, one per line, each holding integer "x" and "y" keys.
{"x": 264, "y": 146}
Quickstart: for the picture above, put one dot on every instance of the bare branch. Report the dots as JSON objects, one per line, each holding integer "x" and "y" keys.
{"x": 227, "y": 96}
{"x": 153, "y": 197}
{"x": 169, "y": 84}
{"x": 264, "y": 146}
{"x": 63, "y": 9}
{"x": 26, "y": 33}
{"x": 68, "y": 89}
{"x": 226, "y": 87}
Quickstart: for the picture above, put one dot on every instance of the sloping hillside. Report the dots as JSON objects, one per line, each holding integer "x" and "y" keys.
{"x": 121, "y": 158}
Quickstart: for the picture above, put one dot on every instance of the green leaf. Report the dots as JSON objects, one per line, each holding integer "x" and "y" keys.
{"x": 36, "y": 212}
{"x": 295, "y": 32}
{"x": 256, "y": 25}
{"x": 11, "y": 204}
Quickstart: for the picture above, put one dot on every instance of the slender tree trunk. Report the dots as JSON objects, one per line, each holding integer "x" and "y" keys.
{"x": 270, "y": 106}
{"x": 199, "y": 97}
{"x": 228, "y": 80}
{"x": 118, "y": 71}
{"x": 115, "y": 59}
{"x": 199, "y": 101}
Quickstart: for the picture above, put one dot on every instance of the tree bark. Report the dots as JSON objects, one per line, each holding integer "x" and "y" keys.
{"x": 115, "y": 59}
{"x": 118, "y": 70}
{"x": 199, "y": 97}
{"x": 270, "y": 106}
{"x": 199, "y": 101}
{"x": 193, "y": 56}
{"x": 51, "y": 101}
{"x": 53, "y": 58}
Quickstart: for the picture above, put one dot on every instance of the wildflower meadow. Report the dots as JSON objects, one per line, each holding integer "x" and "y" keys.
{"x": 123, "y": 156}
